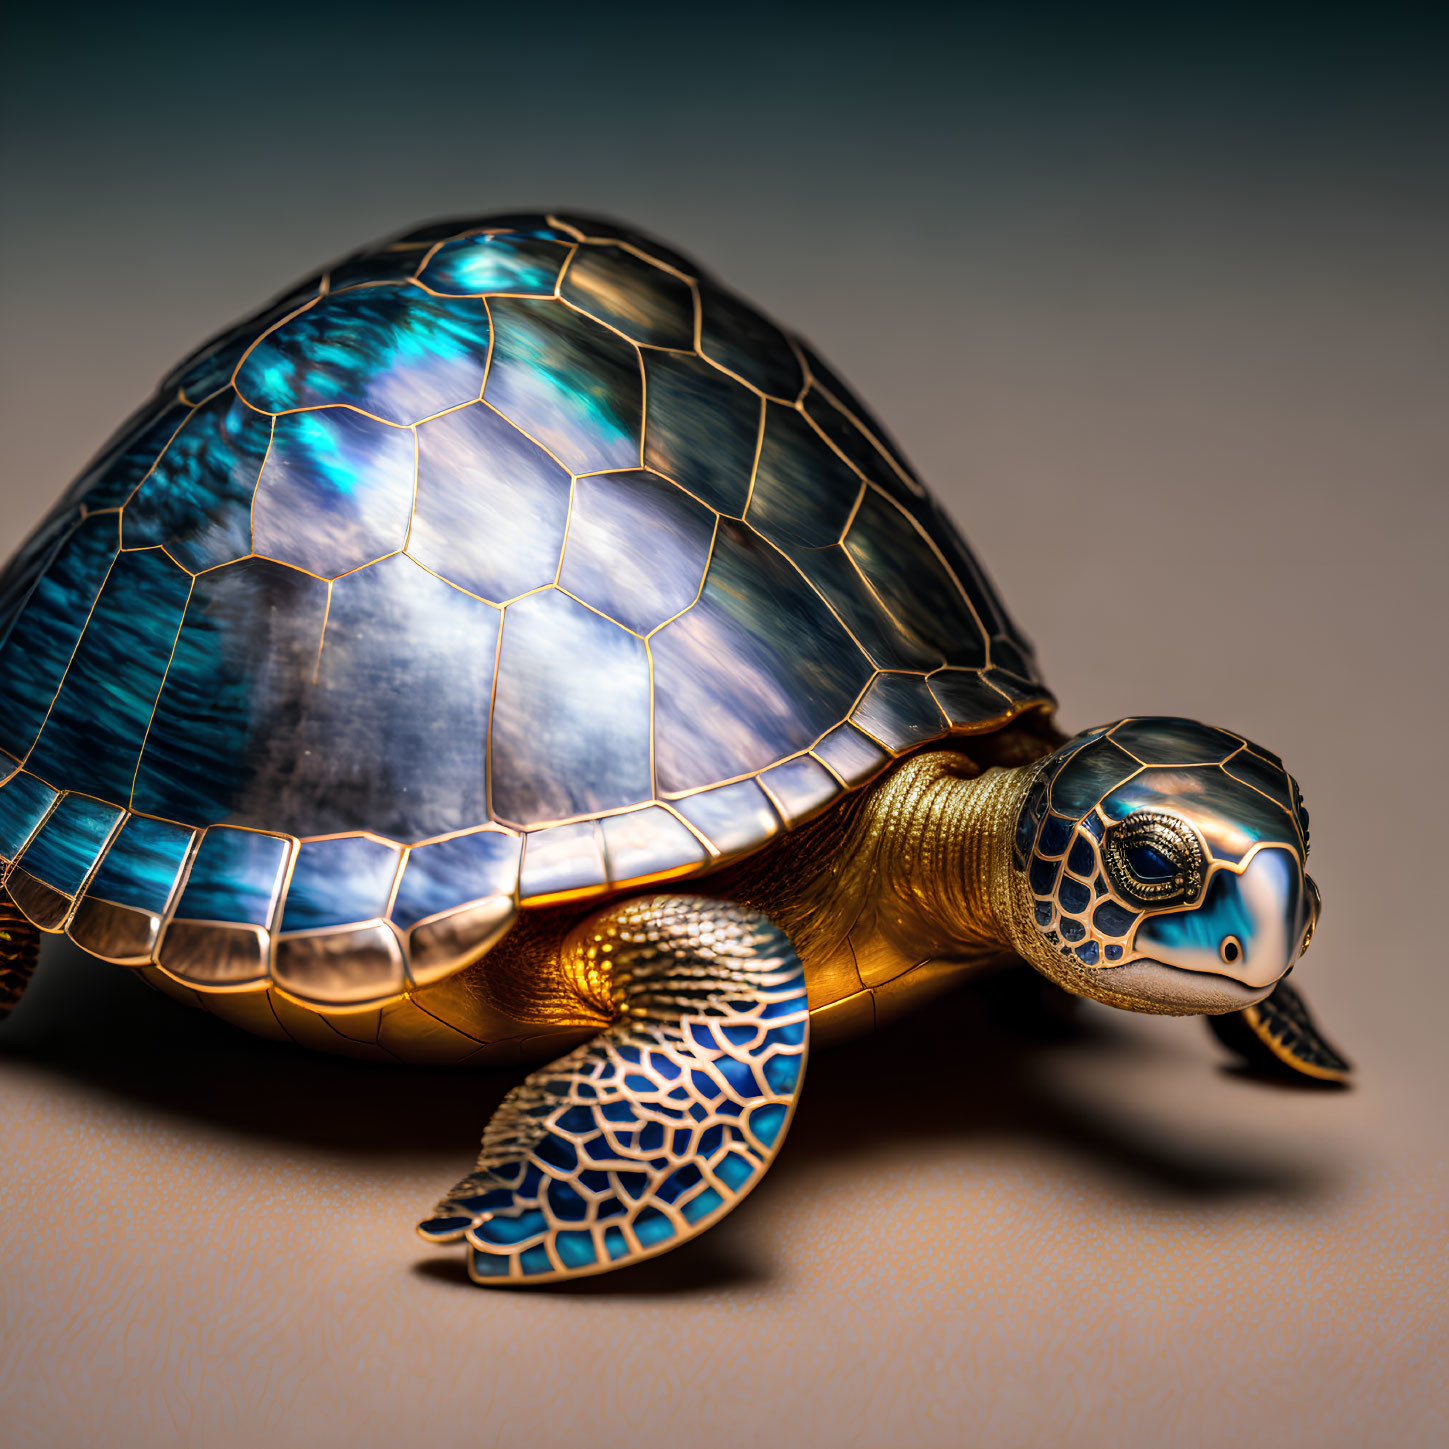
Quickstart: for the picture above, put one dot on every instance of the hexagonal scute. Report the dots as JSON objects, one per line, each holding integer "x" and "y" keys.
{"x": 210, "y": 366}
{"x": 803, "y": 492}
{"x": 594, "y": 228}
{"x": 570, "y": 727}
{"x": 286, "y": 710}
{"x": 702, "y": 429}
{"x": 642, "y": 300}
{"x": 336, "y": 492}
{"x": 757, "y": 670}
{"x": 491, "y": 506}
{"x": 1167, "y": 741}
{"x": 399, "y": 353}
{"x": 748, "y": 344}
{"x": 886, "y": 641}
{"x": 197, "y": 501}
{"x": 490, "y": 261}
{"x": 897, "y": 560}
{"x": 637, "y": 547}
{"x": 376, "y": 264}
{"x": 566, "y": 381}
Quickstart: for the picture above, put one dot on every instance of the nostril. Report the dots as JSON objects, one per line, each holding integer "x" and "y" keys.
{"x": 1230, "y": 950}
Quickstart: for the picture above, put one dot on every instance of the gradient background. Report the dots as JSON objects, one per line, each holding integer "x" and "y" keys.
{"x": 1157, "y": 300}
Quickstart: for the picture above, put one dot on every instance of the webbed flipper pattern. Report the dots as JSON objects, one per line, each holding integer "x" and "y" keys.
{"x": 645, "y": 1136}
{"x": 1279, "y": 1035}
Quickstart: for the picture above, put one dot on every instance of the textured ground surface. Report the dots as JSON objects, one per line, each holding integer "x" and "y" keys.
{"x": 1169, "y": 343}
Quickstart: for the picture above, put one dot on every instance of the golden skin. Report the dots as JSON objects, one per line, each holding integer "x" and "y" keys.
{"x": 889, "y": 899}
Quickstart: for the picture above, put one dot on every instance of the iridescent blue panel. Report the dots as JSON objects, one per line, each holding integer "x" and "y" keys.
{"x": 637, "y": 547}
{"x": 40, "y": 644}
{"x": 569, "y": 383}
{"x": 396, "y": 352}
{"x": 141, "y": 867}
{"x": 211, "y": 367}
{"x": 451, "y": 873}
{"x": 737, "y": 337}
{"x": 92, "y": 739}
{"x": 224, "y": 738}
{"x": 852, "y": 755}
{"x": 23, "y": 803}
{"x": 1083, "y": 859}
{"x": 234, "y": 876}
{"x": 966, "y": 699}
{"x": 1167, "y": 741}
{"x": 900, "y": 711}
{"x": 836, "y": 578}
{"x": 339, "y": 881}
{"x": 487, "y": 262}
{"x": 803, "y": 493}
{"x": 733, "y": 817}
{"x": 758, "y": 669}
{"x": 67, "y": 845}
{"x": 1090, "y": 774}
{"x": 571, "y": 716}
{"x": 197, "y": 502}
{"x": 643, "y": 301}
{"x": 1231, "y": 817}
{"x": 491, "y": 506}
{"x": 394, "y": 264}
{"x": 336, "y": 493}
{"x": 25, "y": 569}
{"x": 702, "y": 429}
{"x": 913, "y": 583}
{"x": 111, "y": 478}
{"x": 395, "y": 726}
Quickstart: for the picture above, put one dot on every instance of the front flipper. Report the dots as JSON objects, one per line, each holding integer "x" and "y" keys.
{"x": 1278, "y": 1035}
{"x": 645, "y": 1136}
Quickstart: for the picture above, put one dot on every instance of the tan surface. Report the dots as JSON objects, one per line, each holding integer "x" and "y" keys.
{"x": 1182, "y": 379}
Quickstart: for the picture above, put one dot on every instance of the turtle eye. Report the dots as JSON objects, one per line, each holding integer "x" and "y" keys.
{"x": 1154, "y": 859}
{"x": 1149, "y": 864}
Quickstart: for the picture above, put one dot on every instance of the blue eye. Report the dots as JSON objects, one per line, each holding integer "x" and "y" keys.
{"x": 1149, "y": 865}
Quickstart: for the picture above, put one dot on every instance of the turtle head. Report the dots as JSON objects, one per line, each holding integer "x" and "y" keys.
{"x": 1159, "y": 865}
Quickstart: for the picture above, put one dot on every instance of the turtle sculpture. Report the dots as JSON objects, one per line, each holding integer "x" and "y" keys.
{"x": 510, "y": 646}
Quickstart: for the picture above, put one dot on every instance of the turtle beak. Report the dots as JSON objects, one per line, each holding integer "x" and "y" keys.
{"x": 1249, "y": 926}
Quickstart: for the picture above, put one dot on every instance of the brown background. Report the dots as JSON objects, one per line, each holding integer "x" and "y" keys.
{"x": 1159, "y": 306}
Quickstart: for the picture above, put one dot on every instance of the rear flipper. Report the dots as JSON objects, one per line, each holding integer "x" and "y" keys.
{"x": 645, "y": 1136}
{"x": 1279, "y": 1036}
{"x": 19, "y": 948}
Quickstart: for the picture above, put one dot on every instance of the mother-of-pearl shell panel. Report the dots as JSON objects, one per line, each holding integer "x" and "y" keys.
{"x": 511, "y": 558}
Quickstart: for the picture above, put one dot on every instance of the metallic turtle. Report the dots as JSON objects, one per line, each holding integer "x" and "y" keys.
{"x": 372, "y": 680}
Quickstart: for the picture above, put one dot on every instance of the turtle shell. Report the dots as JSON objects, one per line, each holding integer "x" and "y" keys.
{"x": 511, "y": 561}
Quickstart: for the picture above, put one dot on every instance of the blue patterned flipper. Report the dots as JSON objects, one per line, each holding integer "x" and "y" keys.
{"x": 645, "y": 1136}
